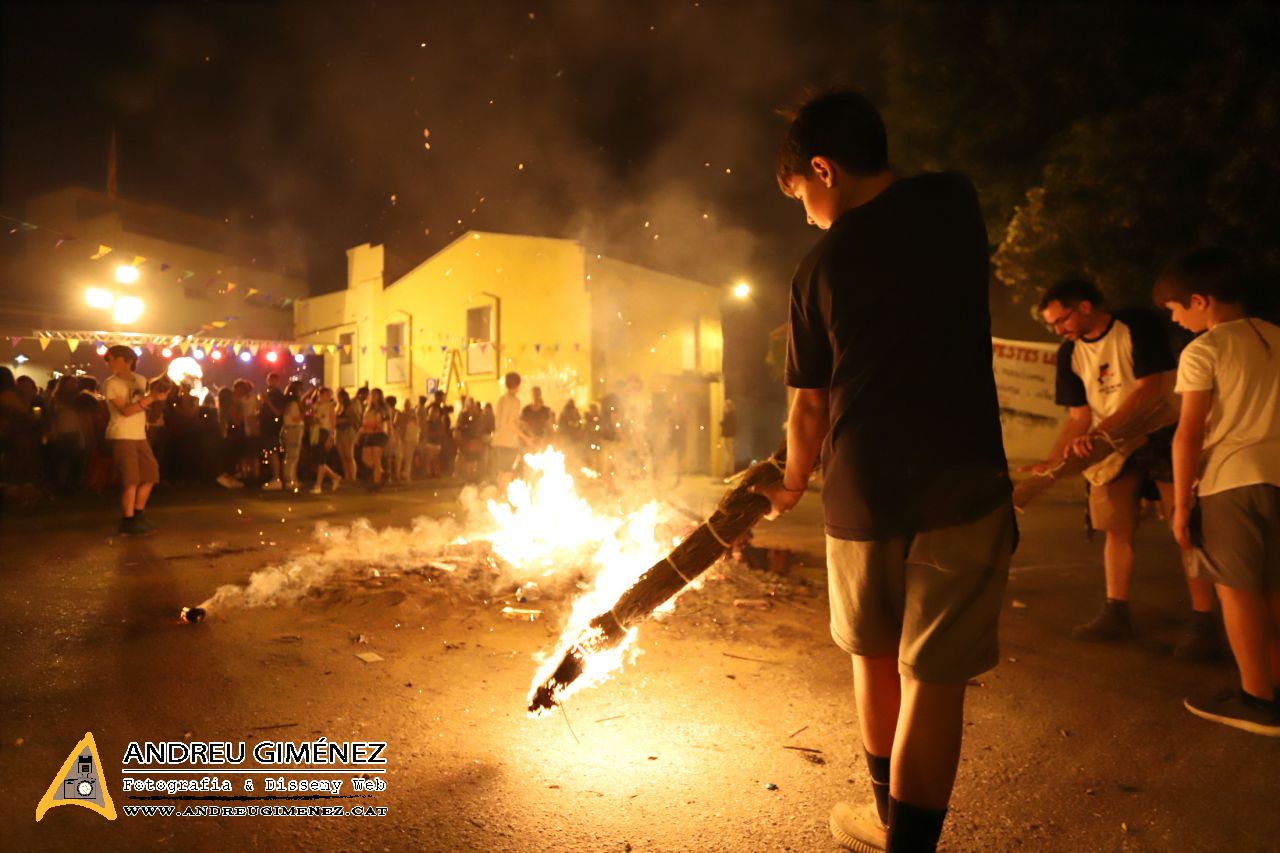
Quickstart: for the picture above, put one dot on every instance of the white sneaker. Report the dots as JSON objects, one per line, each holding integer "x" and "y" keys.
{"x": 315, "y": 490}
{"x": 273, "y": 486}
{"x": 229, "y": 482}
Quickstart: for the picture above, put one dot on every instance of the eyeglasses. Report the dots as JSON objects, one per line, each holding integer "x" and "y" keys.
{"x": 1055, "y": 324}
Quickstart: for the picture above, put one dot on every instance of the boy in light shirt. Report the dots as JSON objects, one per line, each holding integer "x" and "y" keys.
{"x": 127, "y": 401}
{"x": 1226, "y": 469}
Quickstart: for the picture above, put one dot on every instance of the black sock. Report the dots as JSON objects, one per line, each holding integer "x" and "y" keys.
{"x": 1257, "y": 701}
{"x": 913, "y": 828}
{"x": 878, "y": 765}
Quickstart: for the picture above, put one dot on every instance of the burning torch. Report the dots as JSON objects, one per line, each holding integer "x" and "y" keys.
{"x": 738, "y": 511}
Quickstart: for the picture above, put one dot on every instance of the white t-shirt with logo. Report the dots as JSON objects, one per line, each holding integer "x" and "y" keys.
{"x": 1239, "y": 361}
{"x": 131, "y": 389}
{"x": 1101, "y": 373}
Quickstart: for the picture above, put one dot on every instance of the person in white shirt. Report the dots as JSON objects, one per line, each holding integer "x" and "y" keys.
{"x": 1226, "y": 474}
{"x": 127, "y": 401}
{"x": 1113, "y": 365}
{"x": 509, "y": 434}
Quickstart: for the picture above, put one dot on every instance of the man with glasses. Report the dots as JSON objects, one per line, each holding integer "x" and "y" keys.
{"x": 1111, "y": 365}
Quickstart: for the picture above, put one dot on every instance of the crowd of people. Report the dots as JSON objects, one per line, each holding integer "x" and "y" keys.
{"x": 294, "y": 435}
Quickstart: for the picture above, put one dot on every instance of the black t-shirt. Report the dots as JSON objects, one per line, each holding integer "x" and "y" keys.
{"x": 270, "y": 420}
{"x": 889, "y": 311}
{"x": 537, "y": 421}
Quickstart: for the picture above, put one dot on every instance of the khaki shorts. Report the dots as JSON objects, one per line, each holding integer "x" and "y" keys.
{"x": 1114, "y": 505}
{"x": 1237, "y": 538}
{"x": 933, "y": 600}
{"x": 135, "y": 462}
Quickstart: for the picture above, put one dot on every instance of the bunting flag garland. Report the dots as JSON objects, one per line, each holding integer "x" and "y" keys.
{"x": 102, "y": 252}
{"x": 73, "y": 343}
{"x": 44, "y": 344}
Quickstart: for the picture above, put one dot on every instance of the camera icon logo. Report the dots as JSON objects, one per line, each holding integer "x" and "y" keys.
{"x": 80, "y": 783}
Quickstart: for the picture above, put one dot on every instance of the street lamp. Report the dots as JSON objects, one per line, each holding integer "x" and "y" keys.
{"x": 742, "y": 290}
{"x": 99, "y": 297}
{"x": 127, "y": 274}
{"x": 127, "y": 309}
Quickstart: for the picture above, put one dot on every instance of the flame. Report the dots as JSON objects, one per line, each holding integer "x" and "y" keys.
{"x": 545, "y": 527}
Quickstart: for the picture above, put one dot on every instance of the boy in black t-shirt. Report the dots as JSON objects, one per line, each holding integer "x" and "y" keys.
{"x": 889, "y": 350}
{"x": 1113, "y": 366}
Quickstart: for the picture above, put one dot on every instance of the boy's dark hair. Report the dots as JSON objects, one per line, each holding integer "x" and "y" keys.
{"x": 841, "y": 125}
{"x": 1209, "y": 271}
{"x": 1071, "y": 292}
{"x": 121, "y": 351}
{"x": 513, "y": 380}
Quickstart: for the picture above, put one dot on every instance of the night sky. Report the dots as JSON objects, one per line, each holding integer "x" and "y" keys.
{"x": 646, "y": 130}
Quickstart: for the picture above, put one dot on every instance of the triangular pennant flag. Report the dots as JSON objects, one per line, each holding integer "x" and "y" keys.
{"x": 383, "y": 348}
{"x": 102, "y": 252}
{"x": 231, "y": 285}
{"x": 577, "y": 346}
{"x": 250, "y": 292}
{"x": 537, "y": 348}
{"x": 138, "y": 260}
{"x": 15, "y": 340}
{"x": 44, "y": 344}
{"x": 218, "y": 324}
{"x": 151, "y": 348}
{"x": 444, "y": 348}
{"x": 164, "y": 267}
{"x": 187, "y": 274}
{"x": 79, "y": 783}
{"x": 364, "y": 349}
{"x": 210, "y": 280}
{"x": 332, "y": 348}
{"x": 183, "y": 347}
{"x": 72, "y": 343}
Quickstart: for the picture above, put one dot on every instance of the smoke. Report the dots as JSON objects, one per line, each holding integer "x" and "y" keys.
{"x": 543, "y": 531}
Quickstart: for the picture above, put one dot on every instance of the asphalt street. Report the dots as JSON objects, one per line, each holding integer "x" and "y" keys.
{"x": 734, "y": 730}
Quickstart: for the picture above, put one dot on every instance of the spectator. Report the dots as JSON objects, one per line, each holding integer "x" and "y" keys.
{"x": 94, "y": 417}
{"x": 728, "y": 434}
{"x": 409, "y": 433}
{"x": 325, "y": 445}
{"x": 535, "y": 421}
{"x": 231, "y": 427}
{"x": 251, "y": 404}
{"x": 128, "y": 396}
{"x": 391, "y": 456}
{"x": 66, "y": 442}
{"x": 292, "y": 431}
{"x": 270, "y": 421}
{"x": 373, "y": 432}
{"x": 347, "y": 423}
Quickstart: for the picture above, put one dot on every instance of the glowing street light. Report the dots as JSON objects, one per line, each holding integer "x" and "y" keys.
{"x": 99, "y": 297}
{"x": 166, "y": 353}
{"x": 246, "y": 356}
{"x": 126, "y": 274}
{"x": 127, "y": 309}
{"x": 742, "y": 290}
{"x": 299, "y": 358}
{"x": 272, "y": 356}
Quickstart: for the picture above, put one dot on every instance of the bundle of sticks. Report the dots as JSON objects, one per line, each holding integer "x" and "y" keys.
{"x": 737, "y": 512}
{"x": 1122, "y": 439}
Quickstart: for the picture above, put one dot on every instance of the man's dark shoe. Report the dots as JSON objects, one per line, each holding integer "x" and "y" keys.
{"x": 1237, "y": 709}
{"x": 1110, "y": 626}
{"x": 1199, "y": 640}
{"x": 136, "y": 526}
{"x": 144, "y": 524}
{"x": 858, "y": 828}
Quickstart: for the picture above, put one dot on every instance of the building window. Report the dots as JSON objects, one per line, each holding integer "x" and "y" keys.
{"x": 347, "y": 360}
{"x": 482, "y": 355}
{"x": 397, "y": 355}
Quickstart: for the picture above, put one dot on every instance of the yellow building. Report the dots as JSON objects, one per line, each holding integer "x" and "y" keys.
{"x": 574, "y": 323}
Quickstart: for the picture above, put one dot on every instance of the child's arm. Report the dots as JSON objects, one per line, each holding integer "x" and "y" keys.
{"x": 1188, "y": 442}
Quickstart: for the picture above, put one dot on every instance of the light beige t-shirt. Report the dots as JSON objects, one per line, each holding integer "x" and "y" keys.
{"x": 1239, "y": 361}
{"x": 119, "y": 389}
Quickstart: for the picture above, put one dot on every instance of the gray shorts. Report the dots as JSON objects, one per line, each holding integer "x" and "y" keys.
{"x": 1237, "y": 538}
{"x": 932, "y": 600}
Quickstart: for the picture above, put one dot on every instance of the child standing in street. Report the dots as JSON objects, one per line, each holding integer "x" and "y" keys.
{"x": 127, "y": 401}
{"x": 1226, "y": 475}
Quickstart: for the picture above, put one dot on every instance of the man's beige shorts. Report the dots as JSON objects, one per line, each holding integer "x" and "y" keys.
{"x": 135, "y": 462}
{"x": 933, "y": 600}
